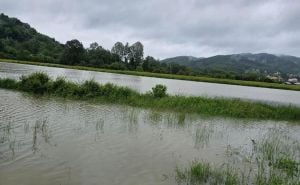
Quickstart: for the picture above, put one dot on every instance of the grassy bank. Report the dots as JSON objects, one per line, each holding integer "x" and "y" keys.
{"x": 272, "y": 161}
{"x": 168, "y": 76}
{"x": 41, "y": 84}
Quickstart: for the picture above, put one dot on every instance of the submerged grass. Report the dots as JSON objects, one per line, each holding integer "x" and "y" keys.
{"x": 203, "y": 173}
{"x": 168, "y": 76}
{"x": 41, "y": 84}
{"x": 272, "y": 161}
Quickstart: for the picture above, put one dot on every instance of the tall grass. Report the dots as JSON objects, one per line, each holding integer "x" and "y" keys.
{"x": 169, "y": 76}
{"x": 41, "y": 84}
{"x": 272, "y": 161}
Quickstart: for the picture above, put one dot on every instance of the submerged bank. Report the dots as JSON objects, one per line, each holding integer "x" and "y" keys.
{"x": 167, "y": 76}
{"x": 41, "y": 84}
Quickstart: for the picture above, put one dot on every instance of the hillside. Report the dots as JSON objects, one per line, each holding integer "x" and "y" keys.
{"x": 20, "y": 41}
{"x": 242, "y": 63}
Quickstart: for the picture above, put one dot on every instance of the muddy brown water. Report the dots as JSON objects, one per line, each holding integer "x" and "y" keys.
{"x": 54, "y": 141}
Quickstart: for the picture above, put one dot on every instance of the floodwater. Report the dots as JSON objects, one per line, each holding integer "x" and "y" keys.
{"x": 143, "y": 84}
{"x": 54, "y": 141}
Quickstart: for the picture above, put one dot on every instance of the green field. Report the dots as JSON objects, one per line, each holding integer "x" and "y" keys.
{"x": 40, "y": 84}
{"x": 168, "y": 76}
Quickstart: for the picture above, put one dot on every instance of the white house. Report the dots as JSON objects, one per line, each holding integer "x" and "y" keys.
{"x": 293, "y": 80}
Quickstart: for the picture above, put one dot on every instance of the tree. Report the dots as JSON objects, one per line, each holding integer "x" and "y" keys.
{"x": 126, "y": 52}
{"x": 150, "y": 64}
{"x": 73, "y": 52}
{"x": 119, "y": 49}
{"x": 1, "y": 46}
{"x": 94, "y": 46}
{"x": 99, "y": 57}
{"x": 136, "y": 54}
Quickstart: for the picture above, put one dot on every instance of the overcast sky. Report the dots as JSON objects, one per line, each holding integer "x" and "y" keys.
{"x": 169, "y": 27}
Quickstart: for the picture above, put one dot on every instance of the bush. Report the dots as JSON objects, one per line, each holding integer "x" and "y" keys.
{"x": 61, "y": 87}
{"x": 37, "y": 83}
{"x": 8, "y": 83}
{"x": 159, "y": 91}
{"x": 90, "y": 88}
{"x": 117, "y": 66}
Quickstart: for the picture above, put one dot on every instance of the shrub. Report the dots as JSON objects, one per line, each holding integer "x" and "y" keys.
{"x": 61, "y": 87}
{"x": 37, "y": 83}
{"x": 117, "y": 66}
{"x": 8, "y": 83}
{"x": 159, "y": 91}
{"x": 91, "y": 88}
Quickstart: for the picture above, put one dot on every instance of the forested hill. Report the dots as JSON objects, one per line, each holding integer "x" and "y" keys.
{"x": 20, "y": 41}
{"x": 241, "y": 63}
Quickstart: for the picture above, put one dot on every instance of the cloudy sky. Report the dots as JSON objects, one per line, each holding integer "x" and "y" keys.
{"x": 169, "y": 27}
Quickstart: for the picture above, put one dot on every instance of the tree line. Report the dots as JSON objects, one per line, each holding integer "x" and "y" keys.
{"x": 20, "y": 41}
{"x": 120, "y": 57}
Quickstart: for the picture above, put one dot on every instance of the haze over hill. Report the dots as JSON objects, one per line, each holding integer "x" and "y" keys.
{"x": 241, "y": 63}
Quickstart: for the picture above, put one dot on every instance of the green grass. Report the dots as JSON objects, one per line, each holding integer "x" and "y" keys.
{"x": 41, "y": 84}
{"x": 203, "y": 173}
{"x": 168, "y": 76}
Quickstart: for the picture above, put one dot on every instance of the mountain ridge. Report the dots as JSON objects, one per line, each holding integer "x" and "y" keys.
{"x": 242, "y": 63}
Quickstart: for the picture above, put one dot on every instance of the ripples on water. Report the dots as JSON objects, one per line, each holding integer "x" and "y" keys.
{"x": 47, "y": 141}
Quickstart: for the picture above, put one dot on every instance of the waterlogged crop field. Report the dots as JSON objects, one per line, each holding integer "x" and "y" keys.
{"x": 143, "y": 84}
{"x": 56, "y": 141}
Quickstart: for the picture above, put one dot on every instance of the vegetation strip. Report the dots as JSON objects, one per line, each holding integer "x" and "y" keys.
{"x": 167, "y": 76}
{"x": 41, "y": 84}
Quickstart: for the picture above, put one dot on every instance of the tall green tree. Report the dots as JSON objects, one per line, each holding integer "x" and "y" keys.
{"x": 151, "y": 65}
{"x": 73, "y": 52}
{"x": 94, "y": 46}
{"x": 136, "y": 54}
{"x": 119, "y": 49}
{"x": 99, "y": 57}
{"x": 126, "y": 52}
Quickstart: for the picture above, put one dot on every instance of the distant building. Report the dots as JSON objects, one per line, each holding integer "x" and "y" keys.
{"x": 292, "y": 81}
{"x": 275, "y": 78}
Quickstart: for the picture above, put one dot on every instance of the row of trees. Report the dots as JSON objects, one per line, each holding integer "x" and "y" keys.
{"x": 121, "y": 57}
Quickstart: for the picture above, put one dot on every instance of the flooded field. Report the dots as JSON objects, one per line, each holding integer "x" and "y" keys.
{"x": 144, "y": 84}
{"x": 55, "y": 141}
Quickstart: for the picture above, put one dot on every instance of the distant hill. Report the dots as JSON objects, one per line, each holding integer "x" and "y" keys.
{"x": 182, "y": 60}
{"x": 241, "y": 63}
{"x": 19, "y": 41}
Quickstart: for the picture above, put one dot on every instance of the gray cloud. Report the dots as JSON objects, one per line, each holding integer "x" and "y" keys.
{"x": 169, "y": 27}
